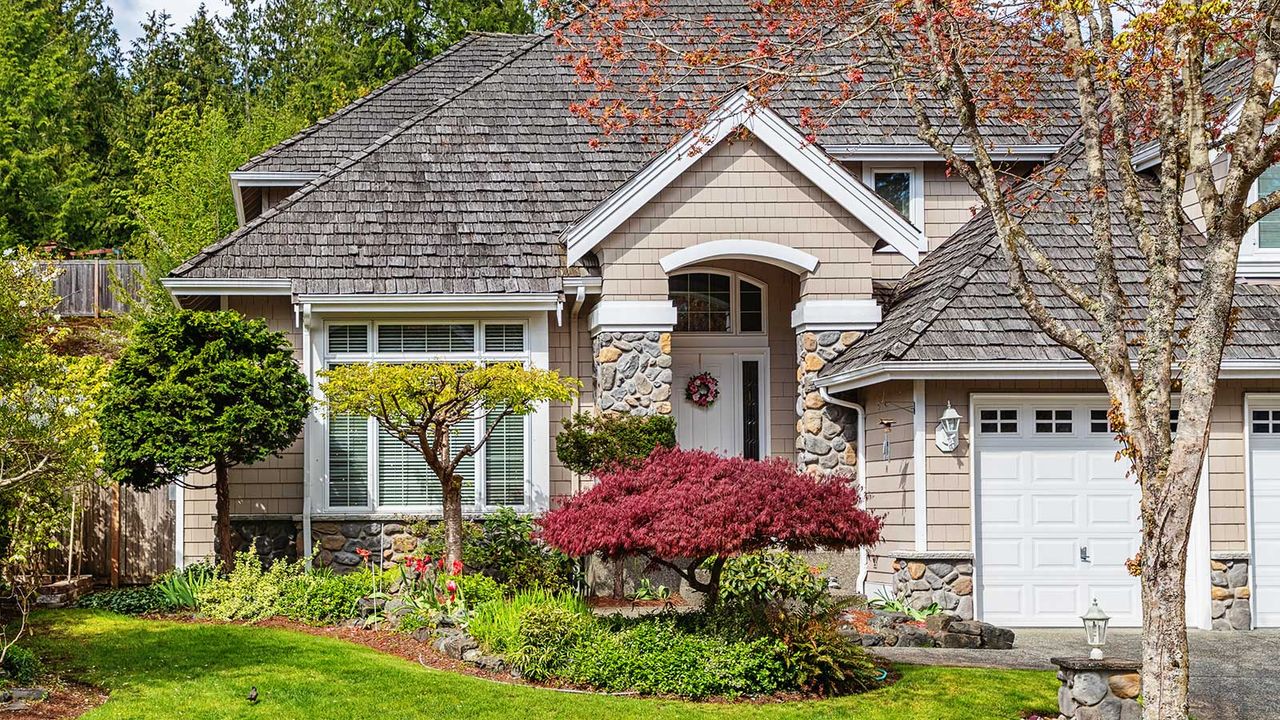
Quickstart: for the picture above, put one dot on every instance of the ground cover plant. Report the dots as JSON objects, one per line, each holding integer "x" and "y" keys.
{"x": 150, "y": 669}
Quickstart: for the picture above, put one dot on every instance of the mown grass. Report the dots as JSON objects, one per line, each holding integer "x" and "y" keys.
{"x": 159, "y": 669}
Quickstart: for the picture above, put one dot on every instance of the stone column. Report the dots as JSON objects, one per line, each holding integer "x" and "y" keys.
{"x": 1229, "y": 575}
{"x": 633, "y": 372}
{"x": 1099, "y": 689}
{"x": 825, "y": 433}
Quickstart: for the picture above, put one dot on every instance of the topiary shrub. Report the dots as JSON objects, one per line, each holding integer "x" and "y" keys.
{"x": 590, "y": 442}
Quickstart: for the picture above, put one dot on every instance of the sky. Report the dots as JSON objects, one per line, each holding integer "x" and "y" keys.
{"x": 130, "y": 13}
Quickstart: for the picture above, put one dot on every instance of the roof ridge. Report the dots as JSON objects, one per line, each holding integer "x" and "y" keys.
{"x": 469, "y": 39}
{"x": 196, "y": 260}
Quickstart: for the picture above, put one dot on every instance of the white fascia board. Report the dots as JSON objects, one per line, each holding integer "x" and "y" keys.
{"x": 779, "y": 136}
{"x": 591, "y": 283}
{"x": 1147, "y": 157}
{"x": 891, "y": 153}
{"x": 267, "y": 178}
{"x": 842, "y": 315}
{"x": 784, "y": 256}
{"x": 632, "y": 316}
{"x": 1009, "y": 370}
{"x": 432, "y": 304}
{"x": 1254, "y": 269}
{"x": 227, "y": 286}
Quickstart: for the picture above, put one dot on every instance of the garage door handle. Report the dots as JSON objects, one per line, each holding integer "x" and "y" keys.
{"x": 1084, "y": 554}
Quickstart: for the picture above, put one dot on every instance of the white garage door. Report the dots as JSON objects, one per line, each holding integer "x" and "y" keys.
{"x": 1057, "y": 517}
{"x": 1264, "y": 461}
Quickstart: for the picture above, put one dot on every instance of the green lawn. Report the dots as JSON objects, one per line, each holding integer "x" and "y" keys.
{"x": 164, "y": 670}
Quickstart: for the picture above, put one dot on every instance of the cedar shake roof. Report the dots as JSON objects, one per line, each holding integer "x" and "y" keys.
{"x": 356, "y": 126}
{"x": 957, "y": 305}
{"x": 471, "y": 193}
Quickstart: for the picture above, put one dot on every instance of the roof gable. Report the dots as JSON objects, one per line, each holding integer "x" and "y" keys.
{"x": 741, "y": 111}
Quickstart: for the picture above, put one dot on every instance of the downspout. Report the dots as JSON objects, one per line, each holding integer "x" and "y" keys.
{"x": 309, "y": 439}
{"x": 574, "y": 307}
{"x": 863, "y": 556}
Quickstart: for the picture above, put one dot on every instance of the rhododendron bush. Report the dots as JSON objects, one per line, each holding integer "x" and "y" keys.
{"x": 683, "y": 508}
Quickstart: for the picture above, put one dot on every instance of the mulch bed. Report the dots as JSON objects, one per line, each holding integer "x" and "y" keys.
{"x": 66, "y": 700}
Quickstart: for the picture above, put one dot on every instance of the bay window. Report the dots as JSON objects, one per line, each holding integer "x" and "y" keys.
{"x": 369, "y": 469}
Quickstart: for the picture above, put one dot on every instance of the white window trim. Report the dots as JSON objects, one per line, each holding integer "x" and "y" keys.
{"x": 1255, "y": 260}
{"x": 735, "y": 304}
{"x": 537, "y": 429}
{"x": 916, "y": 171}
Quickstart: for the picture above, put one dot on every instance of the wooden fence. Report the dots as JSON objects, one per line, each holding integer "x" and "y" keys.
{"x": 89, "y": 288}
{"x": 146, "y": 536}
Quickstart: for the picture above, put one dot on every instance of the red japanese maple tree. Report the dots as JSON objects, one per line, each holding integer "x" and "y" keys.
{"x": 681, "y": 508}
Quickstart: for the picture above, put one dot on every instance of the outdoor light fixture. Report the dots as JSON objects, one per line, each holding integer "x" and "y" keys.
{"x": 885, "y": 448}
{"x": 1095, "y": 629}
{"x": 947, "y": 437}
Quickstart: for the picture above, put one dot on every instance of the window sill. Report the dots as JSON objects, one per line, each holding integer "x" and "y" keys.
{"x": 401, "y": 516}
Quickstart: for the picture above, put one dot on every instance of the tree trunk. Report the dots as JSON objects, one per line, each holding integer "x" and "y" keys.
{"x": 1164, "y": 637}
{"x": 226, "y": 551}
{"x": 453, "y": 520}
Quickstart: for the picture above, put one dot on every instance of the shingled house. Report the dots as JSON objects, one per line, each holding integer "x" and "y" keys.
{"x": 844, "y": 294}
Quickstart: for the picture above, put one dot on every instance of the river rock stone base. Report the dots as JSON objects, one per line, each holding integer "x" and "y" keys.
{"x": 944, "y": 631}
{"x": 633, "y": 372}
{"x": 272, "y": 539}
{"x": 336, "y": 543}
{"x": 1230, "y": 593}
{"x": 824, "y": 431}
{"x": 922, "y": 582}
{"x": 1098, "y": 689}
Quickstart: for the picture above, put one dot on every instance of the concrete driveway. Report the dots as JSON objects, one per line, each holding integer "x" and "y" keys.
{"x": 1234, "y": 675}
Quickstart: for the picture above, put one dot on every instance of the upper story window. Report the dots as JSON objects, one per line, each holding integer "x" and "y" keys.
{"x": 368, "y": 469}
{"x": 714, "y": 302}
{"x": 1269, "y": 226}
{"x": 902, "y": 186}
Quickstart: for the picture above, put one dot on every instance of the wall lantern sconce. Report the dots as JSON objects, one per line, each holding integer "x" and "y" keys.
{"x": 1095, "y": 630}
{"x": 885, "y": 447}
{"x": 947, "y": 437}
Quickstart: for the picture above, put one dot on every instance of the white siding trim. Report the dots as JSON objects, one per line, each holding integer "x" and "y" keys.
{"x": 820, "y": 315}
{"x": 788, "y": 258}
{"x": 919, "y": 465}
{"x": 1008, "y": 370}
{"x": 226, "y": 286}
{"x": 632, "y": 316}
{"x": 742, "y": 111}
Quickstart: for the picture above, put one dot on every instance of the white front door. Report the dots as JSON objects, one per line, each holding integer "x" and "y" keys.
{"x": 1057, "y": 516}
{"x": 732, "y": 424}
{"x": 1264, "y": 472}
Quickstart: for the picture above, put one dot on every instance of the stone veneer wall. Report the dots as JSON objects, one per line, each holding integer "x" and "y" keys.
{"x": 1099, "y": 689}
{"x": 1230, "y": 591}
{"x": 273, "y": 538}
{"x": 824, "y": 432}
{"x": 335, "y": 543}
{"x": 633, "y": 372}
{"x": 922, "y": 579}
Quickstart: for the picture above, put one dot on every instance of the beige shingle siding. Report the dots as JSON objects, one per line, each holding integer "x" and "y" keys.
{"x": 739, "y": 190}
{"x": 562, "y": 480}
{"x": 890, "y": 483}
{"x": 1227, "y": 466}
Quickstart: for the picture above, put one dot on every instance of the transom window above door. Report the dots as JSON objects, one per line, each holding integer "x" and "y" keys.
{"x": 716, "y": 302}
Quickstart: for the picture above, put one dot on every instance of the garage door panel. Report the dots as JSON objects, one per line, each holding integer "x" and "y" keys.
{"x": 1112, "y": 510}
{"x": 1051, "y": 601}
{"x": 1053, "y": 468}
{"x": 1003, "y": 510}
{"x": 1005, "y": 554}
{"x": 1107, "y": 554}
{"x": 1116, "y": 595}
{"x": 1000, "y": 466}
{"x": 1053, "y": 510}
{"x": 1103, "y": 467}
{"x": 1053, "y": 553}
{"x": 1004, "y": 600}
{"x": 1265, "y": 481}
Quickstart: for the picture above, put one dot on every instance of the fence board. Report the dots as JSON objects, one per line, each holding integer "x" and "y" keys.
{"x": 88, "y": 288}
{"x": 146, "y": 536}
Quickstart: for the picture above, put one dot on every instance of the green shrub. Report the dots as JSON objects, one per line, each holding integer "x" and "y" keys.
{"x": 142, "y": 600}
{"x": 180, "y": 588}
{"x": 21, "y": 665}
{"x": 589, "y": 442}
{"x": 545, "y": 638}
{"x": 503, "y": 548}
{"x": 249, "y": 593}
{"x": 656, "y": 656}
{"x": 496, "y": 625}
{"x": 324, "y": 598}
{"x": 771, "y": 577}
{"x": 477, "y": 589}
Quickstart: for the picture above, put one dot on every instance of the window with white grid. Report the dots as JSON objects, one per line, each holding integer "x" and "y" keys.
{"x": 368, "y": 468}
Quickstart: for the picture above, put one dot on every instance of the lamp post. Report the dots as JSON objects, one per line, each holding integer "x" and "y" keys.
{"x": 1095, "y": 629}
{"x": 947, "y": 437}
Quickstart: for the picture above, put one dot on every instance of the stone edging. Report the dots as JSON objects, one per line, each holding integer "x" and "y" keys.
{"x": 927, "y": 554}
{"x": 1230, "y": 555}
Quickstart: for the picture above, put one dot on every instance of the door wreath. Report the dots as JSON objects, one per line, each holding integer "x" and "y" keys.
{"x": 703, "y": 389}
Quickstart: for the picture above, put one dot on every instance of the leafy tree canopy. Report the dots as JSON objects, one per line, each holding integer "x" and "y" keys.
{"x": 195, "y": 388}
